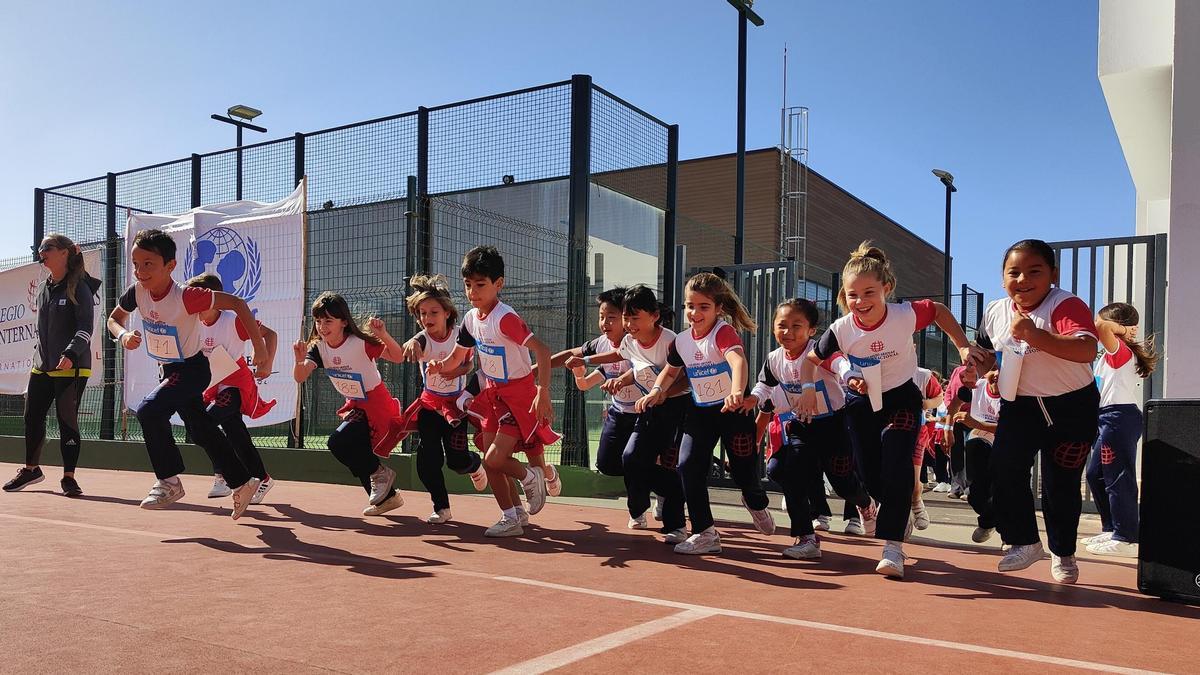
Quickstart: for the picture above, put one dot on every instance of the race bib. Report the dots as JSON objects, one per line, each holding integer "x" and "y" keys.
{"x": 627, "y": 395}
{"x": 644, "y": 378}
{"x": 440, "y": 385}
{"x": 492, "y": 361}
{"x": 162, "y": 342}
{"x": 349, "y": 385}
{"x": 710, "y": 383}
{"x": 793, "y": 391}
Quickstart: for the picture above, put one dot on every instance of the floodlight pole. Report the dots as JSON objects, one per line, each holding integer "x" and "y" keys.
{"x": 745, "y": 13}
{"x": 239, "y": 124}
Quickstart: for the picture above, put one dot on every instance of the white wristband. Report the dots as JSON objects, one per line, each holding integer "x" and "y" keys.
{"x": 120, "y": 336}
{"x": 808, "y": 385}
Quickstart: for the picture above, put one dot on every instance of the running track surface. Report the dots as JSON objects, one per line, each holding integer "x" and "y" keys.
{"x": 304, "y": 584}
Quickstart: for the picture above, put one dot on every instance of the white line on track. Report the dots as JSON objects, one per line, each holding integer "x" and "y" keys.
{"x": 691, "y": 611}
{"x": 568, "y": 655}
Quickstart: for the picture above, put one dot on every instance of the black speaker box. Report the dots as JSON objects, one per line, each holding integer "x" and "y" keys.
{"x": 1169, "y": 549}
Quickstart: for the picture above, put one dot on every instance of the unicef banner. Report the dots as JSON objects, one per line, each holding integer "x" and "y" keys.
{"x": 257, "y": 251}
{"x": 18, "y": 323}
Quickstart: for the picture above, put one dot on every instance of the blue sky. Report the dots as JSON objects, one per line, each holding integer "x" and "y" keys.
{"x": 1004, "y": 95}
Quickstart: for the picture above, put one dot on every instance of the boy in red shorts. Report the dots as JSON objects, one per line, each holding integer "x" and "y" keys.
{"x": 516, "y": 403}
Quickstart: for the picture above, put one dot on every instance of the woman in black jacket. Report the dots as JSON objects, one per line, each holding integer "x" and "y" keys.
{"x": 62, "y": 361}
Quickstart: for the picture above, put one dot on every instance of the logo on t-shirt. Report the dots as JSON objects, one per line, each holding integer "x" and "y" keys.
{"x": 699, "y": 355}
{"x": 209, "y": 342}
{"x": 337, "y": 360}
{"x": 877, "y": 346}
{"x": 153, "y": 314}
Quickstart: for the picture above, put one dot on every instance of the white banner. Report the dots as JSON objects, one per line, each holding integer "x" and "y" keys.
{"x": 18, "y": 323}
{"x": 257, "y": 250}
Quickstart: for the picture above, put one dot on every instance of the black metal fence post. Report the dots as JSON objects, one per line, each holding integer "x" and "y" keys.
{"x": 111, "y": 258}
{"x": 668, "y": 252}
{"x": 39, "y": 218}
{"x": 424, "y": 240}
{"x": 575, "y": 443}
{"x": 295, "y": 437}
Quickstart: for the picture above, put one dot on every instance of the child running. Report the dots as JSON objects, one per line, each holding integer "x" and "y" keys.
{"x": 1112, "y": 468}
{"x": 711, "y": 353}
{"x": 435, "y": 415}
{"x": 518, "y": 407}
{"x": 1048, "y": 342}
{"x": 877, "y": 337}
{"x": 237, "y": 393}
{"x": 650, "y": 453}
{"x": 169, "y": 314}
{"x": 984, "y": 398}
{"x": 348, "y": 354}
{"x": 799, "y": 451}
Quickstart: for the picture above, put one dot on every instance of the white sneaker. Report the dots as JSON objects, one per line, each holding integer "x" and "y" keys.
{"x": 1098, "y": 539}
{"x": 676, "y": 536}
{"x": 639, "y": 523}
{"x": 1114, "y": 547}
{"x": 163, "y": 494}
{"x": 982, "y": 534}
{"x": 243, "y": 495}
{"x": 263, "y": 488}
{"x": 658, "y": 508}
{"x": 1064, "y": 569}
{"x": 805, "y": 548}
{"x": 783, "y": 504}
{"x": 479, "y": 479}
{"x": 381, "y": 484}
{"x": 522, "y": 516}
{"x": 941, "y": 487}
{"x": 920, "y": 515}
{"x": 390, "y": 504}
{"x": 505, "y": 527}
{"x": 763, "y": 520}
{"x": 219, "y": 487}
{"x": 855, "y": 526}
{"x": 438, "y": 517}
{"x": 553, "y": 483}
{"x": 535, "y": 490}
{"x": 891, "y": 564}
{"x": 708, "y": 541}
{"x": 828, "y": 486}
{"x": 821, "y": 523}
{"x": 1020, "y": 557}
{"x": 868, "y": 517}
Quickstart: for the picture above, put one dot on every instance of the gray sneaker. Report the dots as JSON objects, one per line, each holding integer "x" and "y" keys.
{"x": 381, "y": 484}
{"x": 676, "y": 536}
{"x": 805, "y": 548}
{"x": 522, "y": 516}
{"x": 708, "y": 541}
{"x": 763, "y": 521}
{"x": 1020, "y": 557}
{"x": 855, "y": 526}
{"x": 163, "y": 494}
{"x": 219, "y": 488}
{"x": 535, "y": 490}
{"x": 505, "y": 527}
{"x": 982, "y": 534}
{"x": 1064, "y": 569}
{"x": 390, "y": 504}
{"x": 891, "y": 563}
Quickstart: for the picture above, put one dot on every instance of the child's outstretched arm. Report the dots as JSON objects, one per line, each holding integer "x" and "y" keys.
{"x": 304, "y": 365}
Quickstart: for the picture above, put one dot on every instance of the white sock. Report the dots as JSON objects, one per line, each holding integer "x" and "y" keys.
{"x": 511, "y": 513}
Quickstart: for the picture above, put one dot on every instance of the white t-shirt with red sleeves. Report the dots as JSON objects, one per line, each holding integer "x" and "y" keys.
{"x": 170, "y": 327}
{"x": 649, "y": 360}
{"x": 1116, "y": 374}
{"x": 927, "y": 383}
{"x": 984, "y": 408}
{"x": 434, "y": 350}
{"x": 703, "y": 357}
{"x": 1042, "y": 374}
{"x": 625, "y": 397}
{"x": 350, "y": 366}
{"x": 888, "y": 344}
{"x": 499, "y": 340}
{"x": 226, "y": 332}
{"x": 779, "y": 380}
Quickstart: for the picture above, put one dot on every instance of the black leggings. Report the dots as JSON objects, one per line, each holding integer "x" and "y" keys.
{"x": 810, "y": 449}
{"x": 979, "y": 477}
{"x": 702, "y": 429}
{"x": 442, "y": 442}
{"x": 350, "y": 443}
{"x": 1061, "y": 429}
{"x": 649, "y": 459}
{"x": 226, "y": 409}
{"x": 884, "y": 442}
{"x": 65, "y": 393}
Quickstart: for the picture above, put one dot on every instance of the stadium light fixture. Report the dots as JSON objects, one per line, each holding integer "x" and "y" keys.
{"x": 948, "y": 180}
{"x": 244, "y": 112}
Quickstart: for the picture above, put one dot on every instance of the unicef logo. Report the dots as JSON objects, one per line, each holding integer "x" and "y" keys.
{"x": 233, "y": 258}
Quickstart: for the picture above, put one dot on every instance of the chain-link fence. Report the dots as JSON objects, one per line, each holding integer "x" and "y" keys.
{"x": 528, "y": 171}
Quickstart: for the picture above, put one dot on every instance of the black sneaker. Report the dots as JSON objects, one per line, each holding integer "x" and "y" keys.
{"x": 70, "y": 488}
{"x": 24, "y": 478}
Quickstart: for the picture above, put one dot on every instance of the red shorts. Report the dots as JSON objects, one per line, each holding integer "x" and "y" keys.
{"x": 506, "y": 410}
